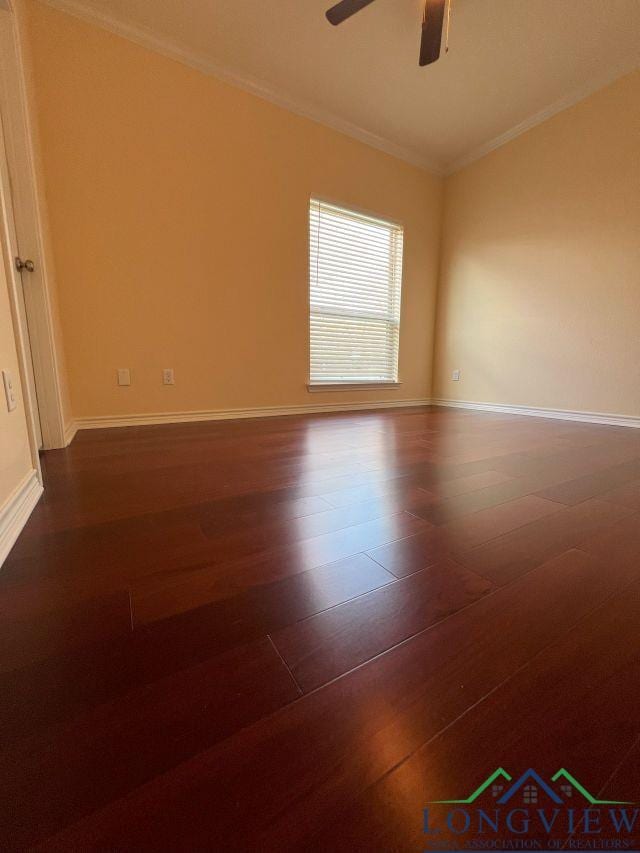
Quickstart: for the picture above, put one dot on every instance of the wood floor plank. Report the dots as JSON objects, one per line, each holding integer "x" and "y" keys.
{"x": 37, "y": 635}
{"x": 486, "y": 524}
{"x": 329, "y": 644}
{"x": 334, "y": 743}
{"x": 503, "y": 559}
{"x": 266, "y": 607}
{"x": 471, "y": 483}
{"x": 366, "y": 493}
{"x": 618, "y": 545}
{"x": 549, "y": 728}
{"x": 126, "y": 545}
{"x": 626, "y": 778}
{"x": 412, "y": 553}
{"x": 285, "y": 532}
{"x": 592, "y": 485}
{"x": 203, "y": 579}
{"x": 58, "y": 775}
{"x": 627, "y": 495}
{"x": 400, "y": 563}
{"x": 500, "y": 493}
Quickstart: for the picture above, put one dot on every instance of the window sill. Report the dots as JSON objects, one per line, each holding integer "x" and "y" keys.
{"x": 351, "y": 386}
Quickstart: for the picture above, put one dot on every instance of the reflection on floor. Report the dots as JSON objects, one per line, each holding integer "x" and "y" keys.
{"x": 294, "y": 633}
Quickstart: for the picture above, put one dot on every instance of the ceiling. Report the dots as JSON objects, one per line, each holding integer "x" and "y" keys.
{"x": 510, "y": 63}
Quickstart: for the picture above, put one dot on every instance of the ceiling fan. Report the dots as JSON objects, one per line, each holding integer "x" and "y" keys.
{"x": 432, "y": 23}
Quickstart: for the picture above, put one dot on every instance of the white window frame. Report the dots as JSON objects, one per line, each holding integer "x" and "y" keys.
{"x": 337, "y": 383}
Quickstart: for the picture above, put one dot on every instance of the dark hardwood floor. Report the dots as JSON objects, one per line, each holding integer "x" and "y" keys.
{"x": 294, "y": 633}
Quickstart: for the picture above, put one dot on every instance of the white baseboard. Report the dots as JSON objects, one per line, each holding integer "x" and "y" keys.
{"x": 70, "y": 431}
{"x": 106, "y": 422}
{"x": 558, "y": 414}
{"x": 16, "y": 510}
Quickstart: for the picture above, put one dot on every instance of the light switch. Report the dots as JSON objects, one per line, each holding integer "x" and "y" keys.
{"x": 9, "y": 390}
{"x": 167, "y": 376}
{"x": 456, "y": 375}
{"x": 124, "y": 376}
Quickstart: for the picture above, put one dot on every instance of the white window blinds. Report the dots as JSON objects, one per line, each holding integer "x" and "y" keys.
{"x": 355, "y": 280}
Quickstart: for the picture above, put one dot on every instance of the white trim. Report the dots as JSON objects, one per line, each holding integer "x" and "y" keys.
{"x": 70, "y": 431}
{"x": 107, "y": 422}
{"x": 539, "y": 117}
{"x": 16, "y": 510}
{"x": 557, "y": 414}
{"x": 29, "y": 229}
{"x": 16, "y": 303}
{"x": 183, "y": 54}
{"x": 348, "y": 385}
{"x": 200, "y": 62}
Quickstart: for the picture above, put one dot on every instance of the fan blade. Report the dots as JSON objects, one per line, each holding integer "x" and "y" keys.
{"x": 341, "y": 11}
{"x": 432, "y": 31}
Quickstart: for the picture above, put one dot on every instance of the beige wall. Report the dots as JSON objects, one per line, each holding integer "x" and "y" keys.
{"x": 539, "y": 299}
{"x": 15, "y": 452}
{"x": 178, "y": 214}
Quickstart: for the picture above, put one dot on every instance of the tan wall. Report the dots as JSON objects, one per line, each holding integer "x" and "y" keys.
{"x": 15, "y": 453}
{"x": 178, "y": 214}
{"x": 539, "y": 300}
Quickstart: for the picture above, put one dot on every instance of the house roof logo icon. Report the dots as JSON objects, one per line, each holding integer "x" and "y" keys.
{"x": 530, "y": 775}
{"x": 568, "y": 785}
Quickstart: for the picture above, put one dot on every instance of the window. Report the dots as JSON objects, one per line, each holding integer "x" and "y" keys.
{"x": 355, "y": 280}
{"x": 530, "y": 795}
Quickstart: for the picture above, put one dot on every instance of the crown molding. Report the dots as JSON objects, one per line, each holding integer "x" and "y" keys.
{"x": 173, "y": 50}
{"x": 564, "y": 103}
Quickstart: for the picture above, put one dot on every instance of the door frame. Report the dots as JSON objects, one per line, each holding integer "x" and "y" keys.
{"x": 8, "y": 239}
{"x": 17, "y": 310}
{"x": 28, "y": 218}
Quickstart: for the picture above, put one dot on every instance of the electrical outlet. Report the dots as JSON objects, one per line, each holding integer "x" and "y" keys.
{"x": 9, "y": 390}
{"x": 456, "y": 375}
{"x": 168, "y": 377}
{"x": 124, "y": 376}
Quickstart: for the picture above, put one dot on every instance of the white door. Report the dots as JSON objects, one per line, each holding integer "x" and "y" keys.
{"x": 21, "y": 270}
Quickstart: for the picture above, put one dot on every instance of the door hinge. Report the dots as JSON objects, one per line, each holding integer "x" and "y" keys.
{"x": 27, "y": 265}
